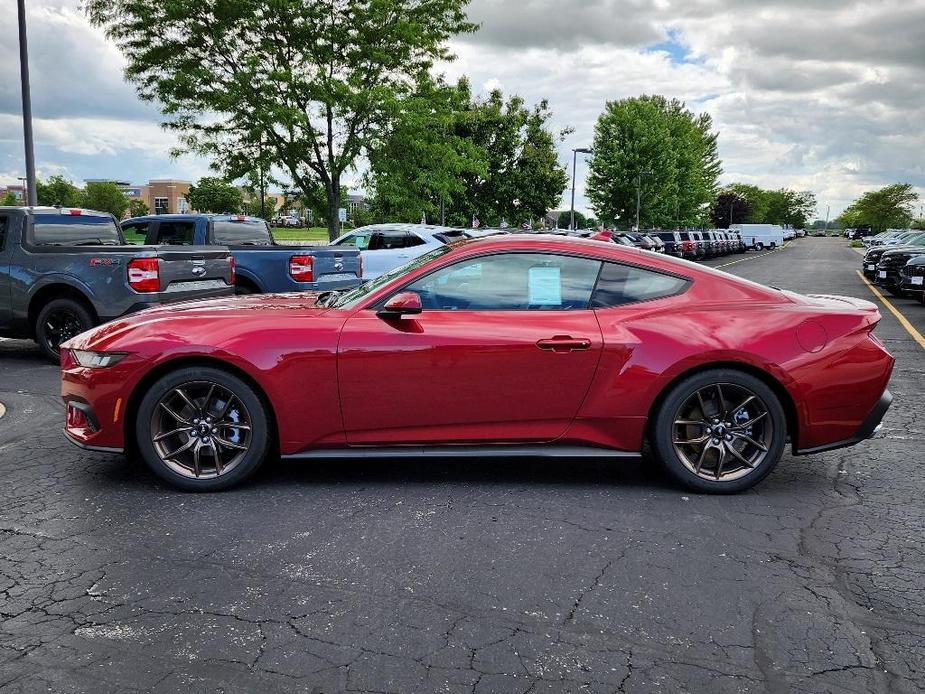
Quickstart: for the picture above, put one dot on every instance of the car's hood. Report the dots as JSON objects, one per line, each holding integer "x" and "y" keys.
{"x": 196, "y": 317}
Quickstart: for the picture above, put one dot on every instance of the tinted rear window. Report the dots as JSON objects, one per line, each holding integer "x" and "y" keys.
{"x": 65, "y": 230}
{"x": 242, "y": 233}
{"x": 623, "y": 284}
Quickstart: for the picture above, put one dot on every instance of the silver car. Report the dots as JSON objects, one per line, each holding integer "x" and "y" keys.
{"x": 385, "y": 247}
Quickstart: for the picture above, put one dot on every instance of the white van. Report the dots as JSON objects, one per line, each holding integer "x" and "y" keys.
{"x": 760, "y": 236}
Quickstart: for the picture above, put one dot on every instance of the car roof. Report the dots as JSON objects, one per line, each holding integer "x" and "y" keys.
{"x": 425, "y": 229}
{"x": 52, "y": 209}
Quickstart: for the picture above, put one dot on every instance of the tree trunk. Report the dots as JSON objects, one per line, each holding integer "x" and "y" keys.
{"x": 333, "y": 190}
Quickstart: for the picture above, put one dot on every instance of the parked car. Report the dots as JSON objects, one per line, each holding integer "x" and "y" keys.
{"x": 262, "y": 265}
{"x": 893, "y": 237}
{"x": 875, "y": 253}
{"x": 64, "y": 271}
{"x": 891, "y": 264}
{"x": 674, "y": 244}
{"x": 760, "y": 236}
{"x": 860, "y": 233}
{"x": 385, "y": 247}
{"x": 913, "y": 278}
{"x": 287, "y": 221}
{"x": 441, "y": 358}
{"x": 656, "y": 241}
{"x": 640, "y": 241}
{"x": 700, "y": 244}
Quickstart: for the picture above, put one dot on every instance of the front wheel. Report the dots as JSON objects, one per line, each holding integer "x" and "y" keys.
{"x": 720, "y": 431}
{"x": 759, "y": 246}
{"x": 59, "y": 321}
{"x": 202, "y": 429}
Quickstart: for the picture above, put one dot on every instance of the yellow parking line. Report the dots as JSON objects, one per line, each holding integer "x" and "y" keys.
{"x": 753, "y": 257}
{"x": 903, "y": 321}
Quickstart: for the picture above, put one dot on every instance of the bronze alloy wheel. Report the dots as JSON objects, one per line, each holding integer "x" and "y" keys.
{"x": 201, "y": 430}
{"x": 722, "y": 432}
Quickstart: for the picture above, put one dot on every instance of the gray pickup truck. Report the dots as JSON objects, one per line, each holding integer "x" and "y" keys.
{"x": 63, "y": 271}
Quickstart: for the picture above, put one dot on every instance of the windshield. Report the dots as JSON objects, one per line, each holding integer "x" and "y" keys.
{"x": 355, "y": 296}
{"x": 251, "y": 233}
{"x": 57, "y": 229}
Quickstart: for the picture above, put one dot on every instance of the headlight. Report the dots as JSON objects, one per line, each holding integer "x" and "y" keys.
{"x": 97, "y": 360}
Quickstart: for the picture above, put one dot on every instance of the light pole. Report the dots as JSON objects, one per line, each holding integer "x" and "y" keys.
{"x": 639, "y": 193}
{"x": 582, "y": 150}
{"x": 31, "y": 198}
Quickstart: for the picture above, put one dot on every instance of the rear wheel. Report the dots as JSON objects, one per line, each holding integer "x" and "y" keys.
{"x": 59, "y": 321}
{"x": 202, "y": 429}
{"x": 720, "y": 431}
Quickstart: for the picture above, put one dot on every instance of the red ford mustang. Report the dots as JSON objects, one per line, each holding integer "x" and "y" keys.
{"x": 507, "y": 346}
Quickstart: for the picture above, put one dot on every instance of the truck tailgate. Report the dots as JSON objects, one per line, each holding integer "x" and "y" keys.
{"x": 184, "y": 269}
{"x": 330, "y": 263}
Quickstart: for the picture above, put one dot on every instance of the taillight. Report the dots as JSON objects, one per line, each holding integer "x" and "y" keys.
{"x": 231, "y": 270}
{"x": 301, "y": 268}
{"x": 144, "y": 275}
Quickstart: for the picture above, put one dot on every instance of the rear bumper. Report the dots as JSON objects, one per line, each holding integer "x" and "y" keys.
{"x": 161, "y": 298}
{"x": 870, "y": 427}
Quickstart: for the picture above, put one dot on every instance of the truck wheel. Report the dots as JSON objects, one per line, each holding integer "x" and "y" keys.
{"x": 759, "y": 246}
{"x": 59, "y": 321}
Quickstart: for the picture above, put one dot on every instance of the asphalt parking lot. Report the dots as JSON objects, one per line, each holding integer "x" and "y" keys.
{"x": 469, "y": 577}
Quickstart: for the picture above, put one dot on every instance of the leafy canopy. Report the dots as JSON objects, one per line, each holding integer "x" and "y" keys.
{"x": 493, "y": 159}
{"x": 306, "y": 85}
{"x": 214, "y": 195}
{"x": 57, "y": 190}
{"x": 670, "y": 152}
{"x": 105, "y": 197}
{"x": 887, "y": 208}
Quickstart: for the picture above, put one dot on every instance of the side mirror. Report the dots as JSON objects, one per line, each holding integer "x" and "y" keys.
{"x": 403, "y": 304}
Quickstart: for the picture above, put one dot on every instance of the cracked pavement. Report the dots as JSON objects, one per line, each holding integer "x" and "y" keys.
{"x": 453, "y": 576}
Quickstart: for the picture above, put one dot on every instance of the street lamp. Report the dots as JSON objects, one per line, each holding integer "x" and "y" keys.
{"x": 639, "y": 192}
{"x": 31, "y": 198}
{"x": 575, "y": 152}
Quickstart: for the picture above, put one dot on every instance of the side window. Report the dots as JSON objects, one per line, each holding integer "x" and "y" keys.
{"x": 510, "y": 282}
{"x": 135, "y": 233}
{"x": 412, "y": 240}
{"x": 175, "y": 233}
{"x": 4, "y": 225}
{"x": 622, "y": 284}
{"x": 390, "y": 240}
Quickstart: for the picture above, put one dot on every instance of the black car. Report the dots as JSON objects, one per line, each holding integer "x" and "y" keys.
{"x": 872, "y": 258}
{"x": 891, "y": 265}
{"x": 912, "y": 278}
{"x": 673, "y": 242}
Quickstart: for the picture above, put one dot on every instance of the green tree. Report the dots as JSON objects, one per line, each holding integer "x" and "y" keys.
{"x": 9, "y": 200}
{"x": 212, "y": 194}
{"x": 730, "y": 208}
{"x": 522, "y": 179}
{"x": 887, "y": 208}
{"x": 494, "y": 159}
{"x": 421, "y": 164}
{"x": 57, "y": 190}
{"x": 756, "y": 203}
{"x": 105, "y": 197}
{"x": 310, "y": 83}
{"x": 137, "y": 208}
{"x": 657, "y": 147}
{"x": 789, "y": 207}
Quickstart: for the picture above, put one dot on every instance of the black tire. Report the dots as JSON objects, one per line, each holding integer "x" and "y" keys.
{"x": 257, "y": 418}
{"x": 896, "y": 291}
{"x": 57, "y": 322}
{"x": 663, "y": 424}
{"x": 759, "y": 246}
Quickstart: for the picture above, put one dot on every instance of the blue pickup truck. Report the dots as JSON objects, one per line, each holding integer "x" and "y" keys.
{"x": 261, "y": 265}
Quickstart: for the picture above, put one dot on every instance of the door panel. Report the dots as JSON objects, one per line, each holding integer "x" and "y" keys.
{"x": 6, "y": 243}
{"x": 465, "y": 376}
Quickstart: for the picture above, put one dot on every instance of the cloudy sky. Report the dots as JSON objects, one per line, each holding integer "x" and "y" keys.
{"x": 827, "y": 95}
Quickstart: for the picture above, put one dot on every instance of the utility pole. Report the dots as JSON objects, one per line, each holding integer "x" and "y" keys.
{"x": 828, "y": 208}
{"x": 583, "y": 150}
{"x": 31, "y": 197}
{"x": 639, "y": 194}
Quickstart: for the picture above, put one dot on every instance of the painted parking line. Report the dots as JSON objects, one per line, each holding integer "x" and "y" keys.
{"x": 753, "y": 257}
{"x": 903, "y": 321}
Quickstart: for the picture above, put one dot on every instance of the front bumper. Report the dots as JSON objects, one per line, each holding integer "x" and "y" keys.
{"x": 867, "y": 430}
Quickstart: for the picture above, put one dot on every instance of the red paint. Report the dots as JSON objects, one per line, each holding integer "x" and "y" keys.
{"x": 341, "y": 377}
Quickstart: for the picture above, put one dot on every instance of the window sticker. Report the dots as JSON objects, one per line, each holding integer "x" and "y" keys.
{"x": 545, "y": 286}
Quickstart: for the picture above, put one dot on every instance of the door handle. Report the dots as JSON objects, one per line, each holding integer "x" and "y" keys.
{"x": 564, "y": 343}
